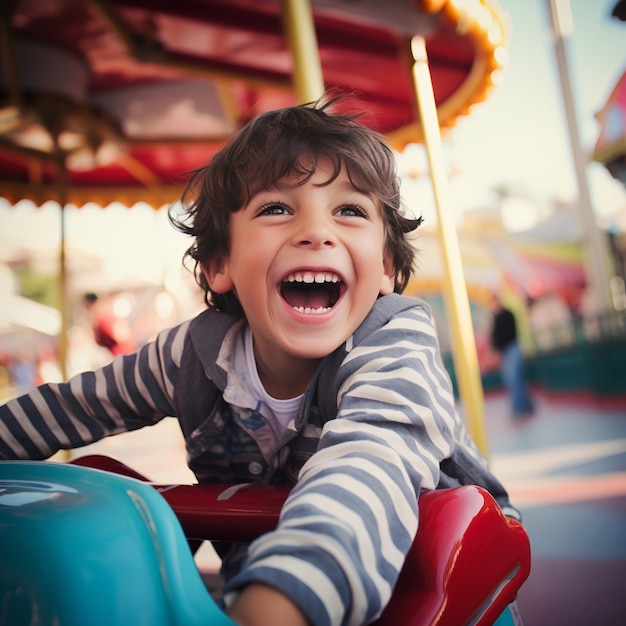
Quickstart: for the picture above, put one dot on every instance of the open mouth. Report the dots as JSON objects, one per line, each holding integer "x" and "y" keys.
{"x": 311, "y": 292}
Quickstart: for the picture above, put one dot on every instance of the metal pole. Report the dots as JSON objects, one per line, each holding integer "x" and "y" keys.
{"x": 457, "y": 301}
{"x": 62, "y": 280}
{"x": 597, "y": 255}
{"x": 300, "y": 32}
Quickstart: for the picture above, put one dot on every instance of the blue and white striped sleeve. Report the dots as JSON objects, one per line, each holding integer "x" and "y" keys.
{"x": 349, "y": 522}
{"x": 132, "y": 391}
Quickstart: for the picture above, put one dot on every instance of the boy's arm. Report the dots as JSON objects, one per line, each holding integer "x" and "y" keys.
{"x": 262, "y": 605}
{"x": 132, "y": 391}
{"x": 349, "y": 522}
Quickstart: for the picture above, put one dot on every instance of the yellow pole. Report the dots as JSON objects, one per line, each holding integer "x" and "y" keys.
{"x": 300, "y": 32}
{"x": 458, "y": 310}
{"x": 63, "y": 183}
{"x": 62, "y": 456}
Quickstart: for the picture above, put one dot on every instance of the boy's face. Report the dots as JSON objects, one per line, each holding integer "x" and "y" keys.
{"x": 307, "y": 264}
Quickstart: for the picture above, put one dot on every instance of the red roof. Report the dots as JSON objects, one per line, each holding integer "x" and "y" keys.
{"x": 610, "y": 146}
{"x": 154, "y": 87}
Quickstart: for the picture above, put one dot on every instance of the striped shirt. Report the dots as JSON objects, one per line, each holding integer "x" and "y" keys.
{"x": 376, "y": 427}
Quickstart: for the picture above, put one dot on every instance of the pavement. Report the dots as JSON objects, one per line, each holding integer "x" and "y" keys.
{"x": 565, "y": 469}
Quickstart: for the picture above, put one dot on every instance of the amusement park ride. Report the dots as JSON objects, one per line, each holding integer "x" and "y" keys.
{"x": 116, "y": 100}
{"x": 129, "y": 95}
{"x": 82, "y": 543}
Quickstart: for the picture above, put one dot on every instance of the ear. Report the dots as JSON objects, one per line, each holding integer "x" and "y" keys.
{"x": 388, "y": 278}
{"x": 217, "y": 275}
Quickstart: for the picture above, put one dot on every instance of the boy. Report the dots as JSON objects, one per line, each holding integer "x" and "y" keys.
{"x": 308, "y": 368}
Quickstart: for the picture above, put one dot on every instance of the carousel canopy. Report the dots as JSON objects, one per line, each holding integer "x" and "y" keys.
{"x": 115, "y": 100}
{"x": 610, "y": 148}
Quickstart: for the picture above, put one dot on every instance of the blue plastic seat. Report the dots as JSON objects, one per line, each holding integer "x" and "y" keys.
{"x": 81, "y": 546}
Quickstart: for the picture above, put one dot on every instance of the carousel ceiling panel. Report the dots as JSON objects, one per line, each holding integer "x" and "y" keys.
{"x": 132, "y": 94}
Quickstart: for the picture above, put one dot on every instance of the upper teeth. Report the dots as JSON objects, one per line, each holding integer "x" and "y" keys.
{"x": 310, "y": 277}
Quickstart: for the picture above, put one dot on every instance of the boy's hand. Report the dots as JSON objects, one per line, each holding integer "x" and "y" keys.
{"x": 263, "y": 605}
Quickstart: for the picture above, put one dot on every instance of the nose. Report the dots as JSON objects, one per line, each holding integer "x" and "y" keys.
{"x": 314, "y": 230}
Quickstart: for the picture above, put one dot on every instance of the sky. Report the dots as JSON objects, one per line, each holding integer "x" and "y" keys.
{"x": 519, "y": 136}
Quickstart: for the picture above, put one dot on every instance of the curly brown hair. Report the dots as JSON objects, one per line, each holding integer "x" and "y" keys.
{"x": 273, "y": 146}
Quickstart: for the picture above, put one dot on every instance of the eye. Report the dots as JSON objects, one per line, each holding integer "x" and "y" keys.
{"x": 352, "y": 210}
{"x": 273, "y": 208}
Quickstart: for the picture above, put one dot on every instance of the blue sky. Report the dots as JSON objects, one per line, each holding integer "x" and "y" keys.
{"x": 524, "y": 122}
{"x": 519, "y": 136}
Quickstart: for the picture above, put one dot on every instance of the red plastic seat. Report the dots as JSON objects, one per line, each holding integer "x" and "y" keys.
{"x": 466, "y": 565}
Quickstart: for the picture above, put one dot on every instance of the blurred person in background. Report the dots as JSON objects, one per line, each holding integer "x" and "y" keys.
{"x": 107, "y": 330}
{"x": 504, "y": 340}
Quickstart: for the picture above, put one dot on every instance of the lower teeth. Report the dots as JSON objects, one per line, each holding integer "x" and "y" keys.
{"x": 309, "y": 311}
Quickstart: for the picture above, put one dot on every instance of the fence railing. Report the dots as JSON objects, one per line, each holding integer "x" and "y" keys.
{"x": 588, "y": 355}
{"x": 607, "y": 326}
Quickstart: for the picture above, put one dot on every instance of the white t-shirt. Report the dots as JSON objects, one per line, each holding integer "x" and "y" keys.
{"x": 277, "y": 412}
